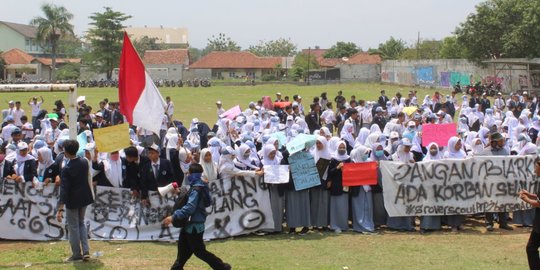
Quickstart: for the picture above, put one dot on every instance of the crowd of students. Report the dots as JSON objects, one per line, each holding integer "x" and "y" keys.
{"x": 348, "y": 130}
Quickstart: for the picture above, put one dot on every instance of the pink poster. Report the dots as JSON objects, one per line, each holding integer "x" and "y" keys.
{"x": 438, "y": 133}
{"x": 232, "y": 112}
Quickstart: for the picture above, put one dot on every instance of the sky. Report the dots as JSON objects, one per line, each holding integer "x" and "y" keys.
{"x": 307, "y": 23}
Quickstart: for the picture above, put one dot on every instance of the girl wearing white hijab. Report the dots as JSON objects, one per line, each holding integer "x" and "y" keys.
{"x": 454, "y": 150}
{"x": 227, "y": 170}
{"x": 477, "y": 147}
{"x": 45, "y": 160}
{"x": 362, "y": 136}
{"x": 277, "y": 198}
{"x": 380, "y": 215}
{"x": 210, "y": 171}
{"x": 339, "y": 194}
{"x": 403, "y": 155}
{"x": 361, "y": 197}
{"x": 243, "y": 160}
{"x": 320, "y": 197}
{"x": 347, "y": 136}
{"x": 431, "y": 223}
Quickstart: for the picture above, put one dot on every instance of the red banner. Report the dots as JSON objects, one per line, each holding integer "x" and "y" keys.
{"x": 359, "y": 174}
{"x": 282, "y": 104}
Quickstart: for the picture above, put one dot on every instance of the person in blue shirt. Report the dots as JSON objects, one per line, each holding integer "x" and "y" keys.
{"x": 191, "y": 236}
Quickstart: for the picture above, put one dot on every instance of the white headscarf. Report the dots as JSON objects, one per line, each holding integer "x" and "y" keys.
{"x": 46, "y": 156}
{"x": 243, "y": 162}
{"x": 267, "y": 149}
{"x": 339, "y": 157}
{"x": 113, "y": 171}
{"x": 429, "y": 157}
{"x": 210, "y": 172}
{"x": 359, "y": 154}
{"x": 401, "y": 156}
{"x": 347, "y": 133}
{"x": 324, "y": 153}
{"x": 477, "y": 149}
{"x": 451, "y": 152}
{"x": 362, "y": 136}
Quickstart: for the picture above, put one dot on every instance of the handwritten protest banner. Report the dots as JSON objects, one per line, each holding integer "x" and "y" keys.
{"x": 112, "y": 138}
{"x": 238, "y": 207}
{"x": 304, "y": 172}
{"x": 457, "y": 187}
{"x": 438, "y": 133}
{"x": 301, "y": 142}
{"x": 232, "y": 112}
{"x": 359, "y": 174}
{"x": 276, "y": 174}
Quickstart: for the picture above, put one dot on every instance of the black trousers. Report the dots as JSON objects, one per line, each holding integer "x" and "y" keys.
{"x": 502, "y": 218}
{"x": 192, "y": 243}
{"x": 532, "y": 251}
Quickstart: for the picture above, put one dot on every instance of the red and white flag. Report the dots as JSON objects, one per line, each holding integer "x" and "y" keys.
{"x": 140, "y": 100}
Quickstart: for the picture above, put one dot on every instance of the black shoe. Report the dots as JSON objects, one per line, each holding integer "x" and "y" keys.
{"x": 292, "y": 230}
{"x": 304, "y": 231}
{"x": 86, "y": 257}
{"x": 227, "y": 266}
{"x": 73, "y": 259}
{"x": 489, "y": 228}
{"x": 506, "y": 227}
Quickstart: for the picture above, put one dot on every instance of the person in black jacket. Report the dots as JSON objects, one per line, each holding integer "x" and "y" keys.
{"x": 25, "y": 167}
{"x": 383, "y": 99}
{"x": 75, "y": 195}
{"x": 134, "y": 166}
{"x": 313, "y": 119}
{"x": 534, "y": 238}
{"x": 6, "y": 167}
{"x": 156, "y": 173}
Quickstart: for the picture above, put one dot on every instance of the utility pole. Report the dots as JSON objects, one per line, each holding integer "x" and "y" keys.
{"x": 418, "y": 47}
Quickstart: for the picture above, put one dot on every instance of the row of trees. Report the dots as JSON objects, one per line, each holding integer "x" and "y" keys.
{"x": 498, "y": 28}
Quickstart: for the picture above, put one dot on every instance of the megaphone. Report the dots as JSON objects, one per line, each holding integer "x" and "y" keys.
{"x": 167, "y": 189}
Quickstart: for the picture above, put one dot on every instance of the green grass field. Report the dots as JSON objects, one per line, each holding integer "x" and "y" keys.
{"x": 470, "y": 249}
{"x": 200, "y": 102}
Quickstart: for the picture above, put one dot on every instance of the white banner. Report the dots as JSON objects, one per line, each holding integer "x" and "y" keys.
{"x": 238, "y": 207}
{"x": 457, "y": 187}
{"x": 276, "y": 174}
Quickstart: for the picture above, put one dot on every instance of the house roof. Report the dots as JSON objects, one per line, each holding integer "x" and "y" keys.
{"x": 318, "y": 53}
{"x": 24, "y": 29}
{"x": 16, "y": 56}
{"x": 166, "y": 57}
{"x": 220, "y": 59}
{"x": 19, "y": 57}
{"x": 364, "y": 58}
{"x": 48, "y": 61}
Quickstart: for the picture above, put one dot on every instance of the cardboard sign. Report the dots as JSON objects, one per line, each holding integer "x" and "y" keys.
{"x": 112, "y": 138}
{"x": 359, "y": 174}
{"x": 232, "y": 113}
{"x": 304, "y": 172}
{"x": 301, "y": 142}
{"x": 438, "y": 133}
{"x": 276, "y": 174}
{"x": 410, "y": 110}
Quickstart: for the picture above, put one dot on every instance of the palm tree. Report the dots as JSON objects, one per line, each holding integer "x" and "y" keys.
{"x": 51, "y": 27}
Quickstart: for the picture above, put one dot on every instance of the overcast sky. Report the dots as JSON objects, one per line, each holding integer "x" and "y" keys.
{"x": 307, "y": 23}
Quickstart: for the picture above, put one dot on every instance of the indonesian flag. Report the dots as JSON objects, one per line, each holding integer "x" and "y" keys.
{"x": 140, "y": 100}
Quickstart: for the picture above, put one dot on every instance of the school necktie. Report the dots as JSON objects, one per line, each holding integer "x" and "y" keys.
{"x": 156, "y": 168}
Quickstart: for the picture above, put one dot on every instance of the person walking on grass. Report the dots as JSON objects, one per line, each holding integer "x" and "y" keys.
{"x": 75, "y": 195}
{"x": 191, "y": 236}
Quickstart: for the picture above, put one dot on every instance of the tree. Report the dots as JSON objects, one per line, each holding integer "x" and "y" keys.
{"x": 2, "y": 66}
{"x": 69, "y": 46}
{"x": 302, "y": 63}
{"x": 451, "y": 48}
{"x": 194, "y": 54}
{"x": 427, "y": 49}
{"x": 342, "y": 49}
{"x": 146, "y": 43}
{"x": 220, "y": 43}
{"x": 105, "y": 36}
{"x": 391, "y": 49}
{"x": 280, "y": 47}
{"x": 69, "y": 71}
{"x": 501, "y": 28}
{"x": 51, "y": 27}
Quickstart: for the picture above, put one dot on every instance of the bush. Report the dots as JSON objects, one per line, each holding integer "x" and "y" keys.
{"x": 268, "y": 77}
